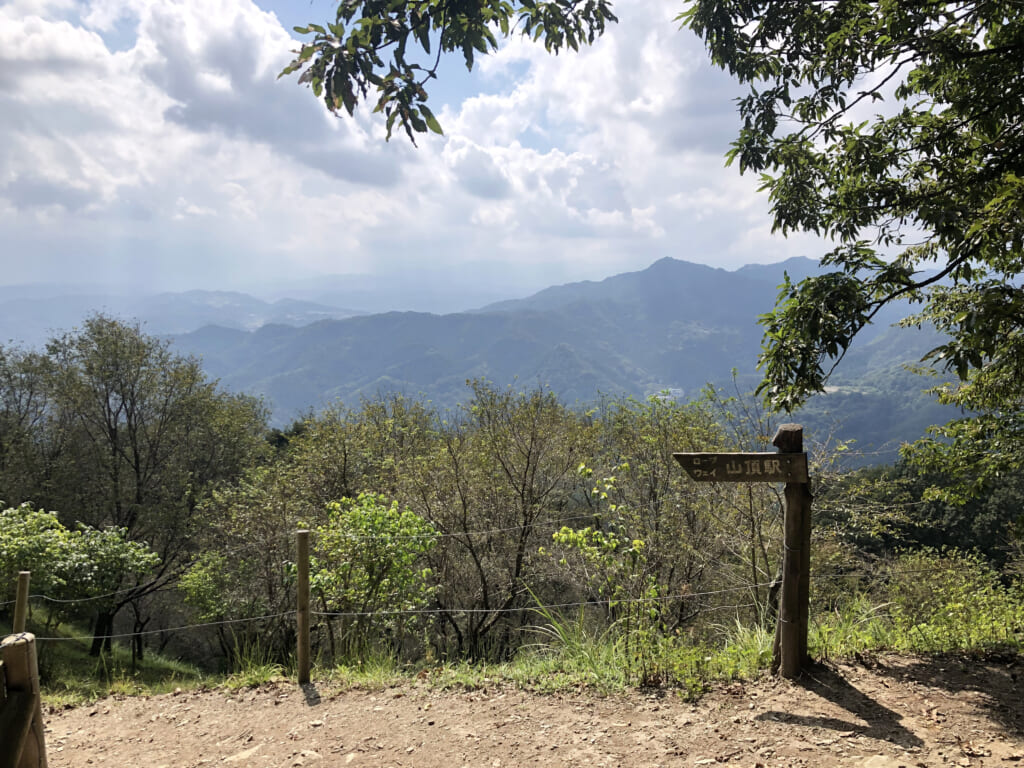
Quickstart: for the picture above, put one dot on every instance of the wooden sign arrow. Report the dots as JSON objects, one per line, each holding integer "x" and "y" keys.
{"x": 745, "y": 467}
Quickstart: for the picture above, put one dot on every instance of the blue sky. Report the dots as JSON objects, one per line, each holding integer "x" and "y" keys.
{"x": 149, "y": 143}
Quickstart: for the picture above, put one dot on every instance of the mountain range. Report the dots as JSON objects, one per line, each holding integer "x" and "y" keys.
{"x": 33, "y": 314}
{"x": 672, "y": 328}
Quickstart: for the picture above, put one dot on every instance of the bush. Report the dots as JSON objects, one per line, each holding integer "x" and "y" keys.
{"x": 368, "y": 561}
{"x": 67, "y": 564}
{"x": 952, "y": 601}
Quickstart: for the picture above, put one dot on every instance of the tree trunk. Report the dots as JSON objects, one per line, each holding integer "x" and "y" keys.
{"x": 138, "y": 645}
{"x": 104, "y": 628}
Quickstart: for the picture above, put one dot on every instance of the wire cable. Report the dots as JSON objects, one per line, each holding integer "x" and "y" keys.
{"x": 553, "y": 606}
{"x": 814, "y": 577}
{"x": 93, "y": 598}
{"x": 167, "y": 629}
{"x": 456, "y": 534}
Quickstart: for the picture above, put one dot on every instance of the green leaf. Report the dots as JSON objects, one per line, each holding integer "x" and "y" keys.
{"x": 431, "y": 121}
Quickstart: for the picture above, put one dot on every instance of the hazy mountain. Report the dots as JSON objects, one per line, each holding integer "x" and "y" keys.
{"x": 32, "y": 314}
{"x": 673, "y": 326}
{"x": 797, "y": 268}
{"x": 665, "y": 327}
{"x": 423, "y": 289}
{"x": 669, "y": 289}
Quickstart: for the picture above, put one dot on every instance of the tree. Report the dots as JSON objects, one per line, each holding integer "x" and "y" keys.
{"x": 394, "y": 48}
{"x": 924, "y": 201}
{"x": 134, "y": 436}
{"x": 23, "y": 414}
{"x": 85, "y": 564}
{"x": 368, "y": 560}
{"x": 642, "y": 495}
{"x": 498, "y": 482}
{"x": 245, "y": 568}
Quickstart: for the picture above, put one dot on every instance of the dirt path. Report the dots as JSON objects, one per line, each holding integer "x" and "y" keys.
{"x": 892, "y": 712}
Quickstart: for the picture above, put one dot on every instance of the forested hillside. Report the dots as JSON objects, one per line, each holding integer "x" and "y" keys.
{"x": 675, "y": 327}
{"x": 455, "y": 534}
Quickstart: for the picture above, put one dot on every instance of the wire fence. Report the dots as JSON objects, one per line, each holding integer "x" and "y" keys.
{"x": 820, "y": 577}
{"x": 148, "y": 632}
{"x": 89, "y": 599}
{"x": 456, "y": 611}
{"x": 422, "y": 612}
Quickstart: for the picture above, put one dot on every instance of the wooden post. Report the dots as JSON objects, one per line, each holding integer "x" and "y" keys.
{"x": 17, "y": 711}
{"x": 21, "y": 601}
{"x": 788, "y": 466}
{"x": 21, "y": 670}
{"x": 302, "y": 609}
{"x": 791, "y": 630}
{"x": 804, "y": 591}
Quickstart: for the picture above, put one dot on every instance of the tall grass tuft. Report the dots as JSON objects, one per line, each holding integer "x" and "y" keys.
{"x": 572, "y": 648}
{"x": 254, "y": 665}
{"x": 850, "y": 627}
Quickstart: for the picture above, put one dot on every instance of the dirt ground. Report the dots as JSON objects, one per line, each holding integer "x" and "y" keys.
{"x": 878, "y": 713}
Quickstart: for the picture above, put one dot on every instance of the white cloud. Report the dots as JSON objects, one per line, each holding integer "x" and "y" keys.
{"x": 151, "y": 139}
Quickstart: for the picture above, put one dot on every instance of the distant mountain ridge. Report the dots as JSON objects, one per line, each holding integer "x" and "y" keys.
{"x": 674, "y": 326}
{"x": 639, "y": 332}
{"x": 32, "y": 314}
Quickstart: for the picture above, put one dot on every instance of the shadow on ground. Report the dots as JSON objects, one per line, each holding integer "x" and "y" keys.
{"x": 311, "y": 694}
{"x": 868, "y": 717}
{"x": 996, "y": 681}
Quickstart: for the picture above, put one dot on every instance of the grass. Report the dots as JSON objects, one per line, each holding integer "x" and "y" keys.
{"x": 929, "y": 603}
{"x": 254, "y": 666}
{"x": 571, "y": 653}
{"x": 69, "y": 676}
{"x": 255, "y": 675}
{"x": 859, "y": 625}
{"x": 374, "y": 673}
{"x": 570, "y": 659}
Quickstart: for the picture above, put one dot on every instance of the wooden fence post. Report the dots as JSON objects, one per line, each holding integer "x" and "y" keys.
{"x": 791, "y": 635}
{"x": 302, "y": 609}
{"x": 21, "y": 715}
{"x": 21, "y": 601}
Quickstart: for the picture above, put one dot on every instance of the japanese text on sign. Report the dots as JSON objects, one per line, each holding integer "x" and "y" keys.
{"x": 745, "y": 467}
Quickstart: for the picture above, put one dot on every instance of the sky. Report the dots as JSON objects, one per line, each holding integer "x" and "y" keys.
{"x": 150, "y": 144}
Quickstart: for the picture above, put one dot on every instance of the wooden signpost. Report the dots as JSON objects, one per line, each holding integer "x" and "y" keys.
{"x": 744, "y": 467}
{"x": 788, "y": 466}
{"x": 22, "y": 743}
